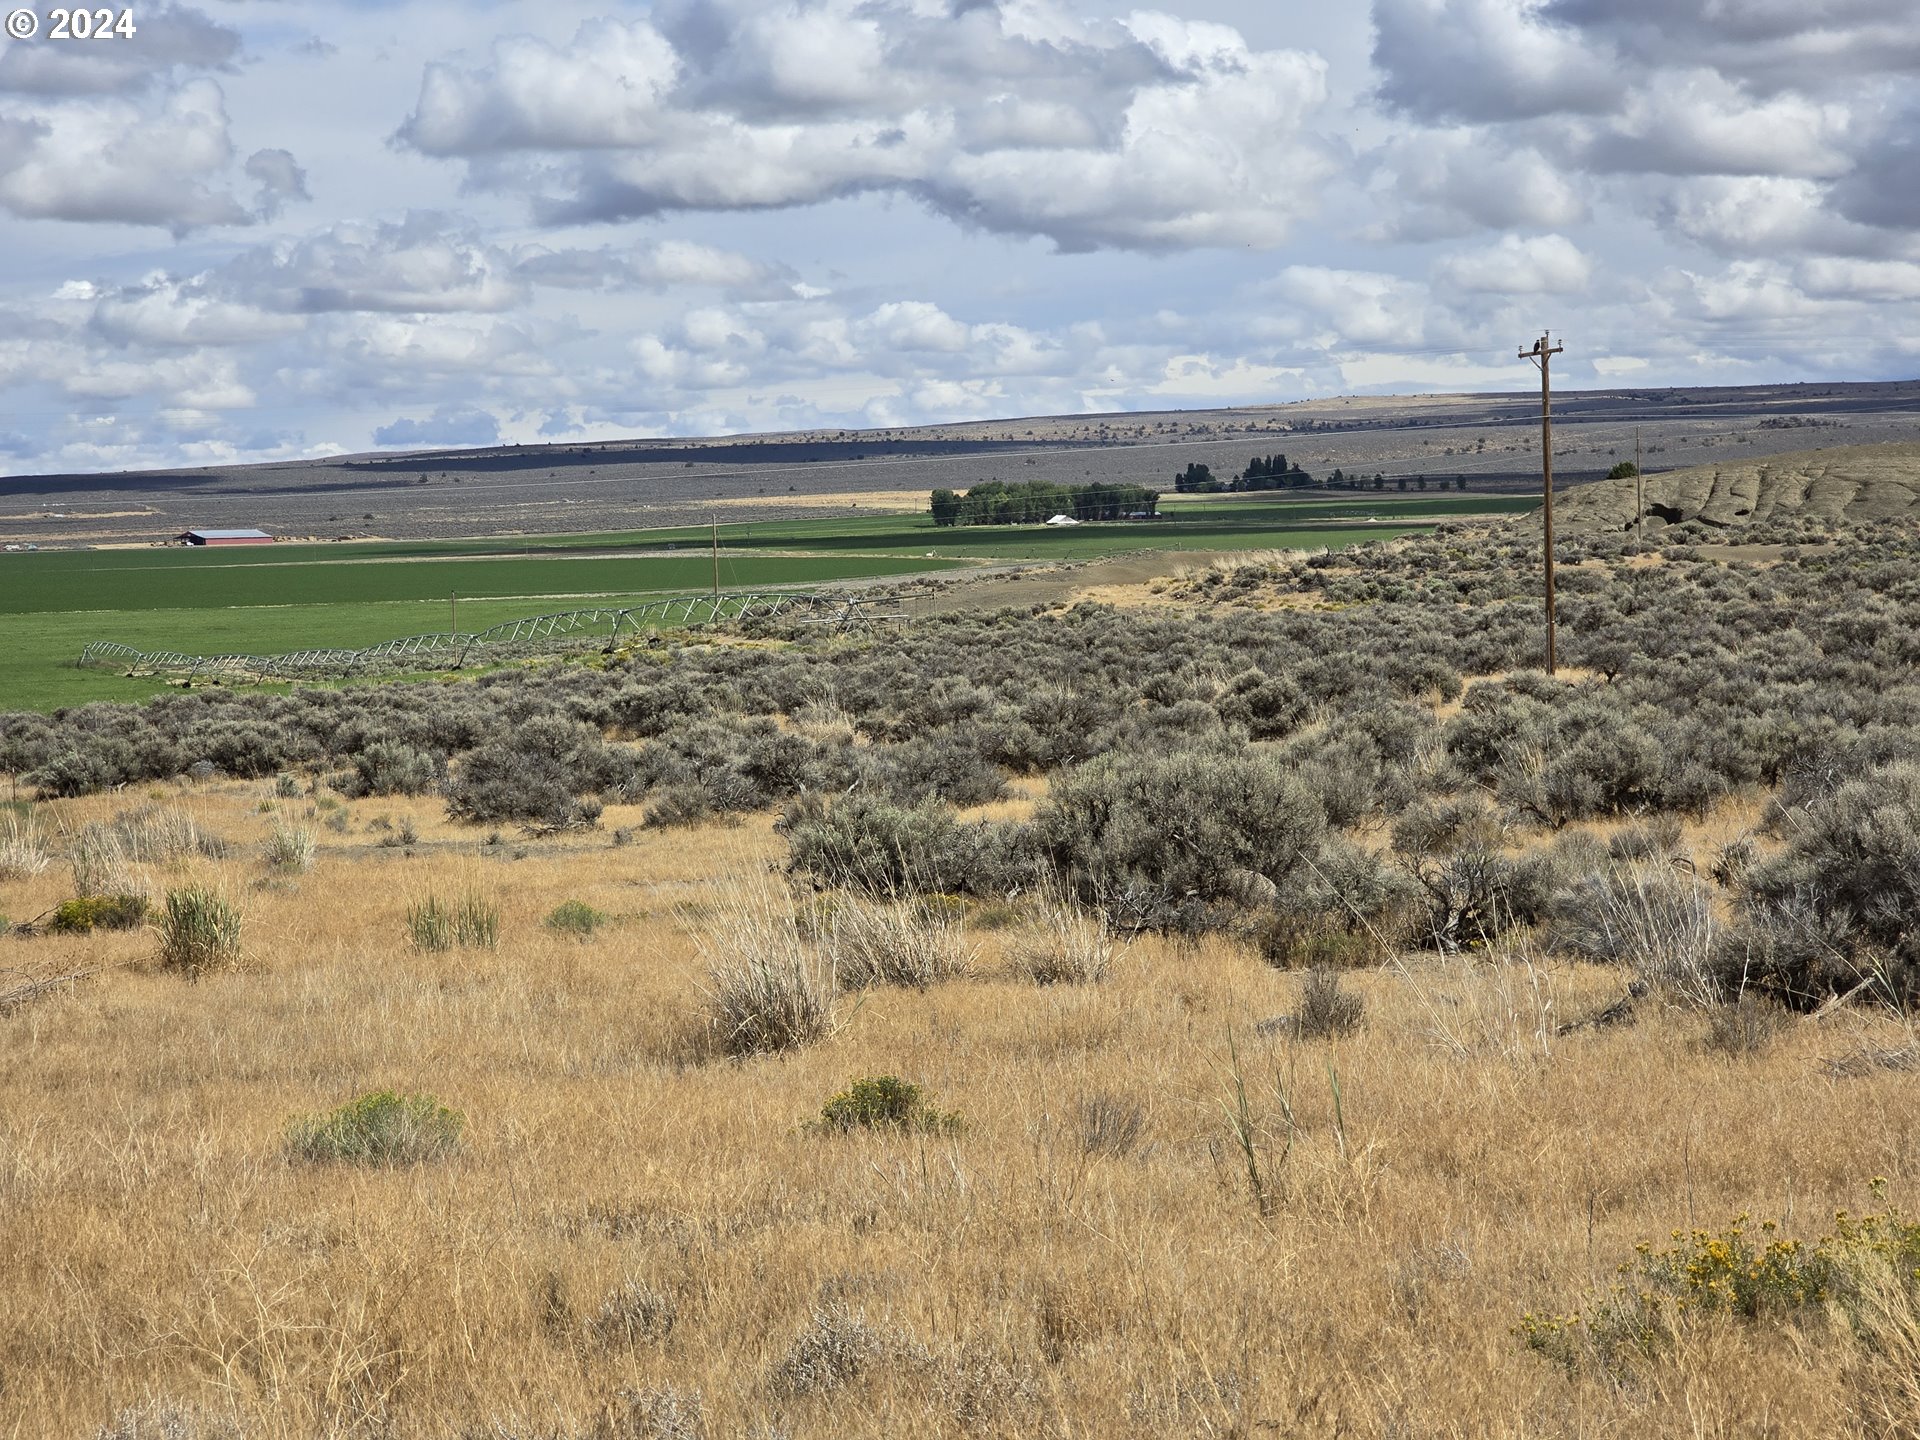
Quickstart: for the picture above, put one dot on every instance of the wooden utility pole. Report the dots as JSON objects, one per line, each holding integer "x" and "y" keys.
{"x": 453, "y": 612}
{"x": 1542, "y": 355}
{"x": 716, "y": 557}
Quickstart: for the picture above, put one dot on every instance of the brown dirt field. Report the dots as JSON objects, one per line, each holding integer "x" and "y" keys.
{"x": 1120, "y": 580}
{"x": 892, "y": 502}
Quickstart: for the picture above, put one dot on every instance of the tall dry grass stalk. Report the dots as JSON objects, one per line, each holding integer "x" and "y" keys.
{"x": 916, "y": 941}
{"x": 768, "y": 987}
{"x": 1497, "y": 1003}
{"x": 23, "y": 847}
{"x": 1067, "y": 944}
{"x": 102, "y": 864}
{"x": 199, "y": 932}
{"x": 1651, "y": 918}
{"x": 159, "y": 834}
{"x": 289, "y": 848}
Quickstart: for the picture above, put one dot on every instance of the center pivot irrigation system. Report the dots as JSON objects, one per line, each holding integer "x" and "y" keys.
{"x": 568, "y": 630}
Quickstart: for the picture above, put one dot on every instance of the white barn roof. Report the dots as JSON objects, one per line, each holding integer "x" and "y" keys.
{"x": 231, "y": 534}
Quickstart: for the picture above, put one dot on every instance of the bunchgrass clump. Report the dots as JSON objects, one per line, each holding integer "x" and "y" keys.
{"x": 1109, "y": 1124}
{"x": 1326, "y": 1008}
{"x": 916, "y": 942}
{"x": 768, "y": 988}
{"x": 102, "y": 864}
{"x": 199, "y": 932}
{"x": 1746, "y": 1025}
{"x": 575, "y": 918}
{"x": 885, "y": 1102}
{"x": 1069, "y": 945}
{"x": 382, "y": 1128}
{"x": 632, "y": 1314}
{"x": 289, "y": 849}
{"x": 471, "y": 922}
{"x": 23, "y": 848}
{"x": 156, "y": 834}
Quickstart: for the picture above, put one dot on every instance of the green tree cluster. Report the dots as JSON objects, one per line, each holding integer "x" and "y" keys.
{"x": 1272, "y": 472}
{"x": 994, "y": 502}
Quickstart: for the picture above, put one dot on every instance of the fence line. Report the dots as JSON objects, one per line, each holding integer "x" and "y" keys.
{"x": 558, "y": 633}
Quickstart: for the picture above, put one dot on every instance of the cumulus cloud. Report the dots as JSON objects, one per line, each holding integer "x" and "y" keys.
{"x": 1820, "y": 45}
{"x": 1436, "y": 184}
{"x": 1155, "y": 133}
{"x": 1691, "y": 187}
{"x": 424, "y": 263}
{"x": 1807, "y": 104}
{"x": 131, "y": 161}
{"x": 664, "y": 265}
{"x": 1883, "y": 187}
{"x": 170, "y": 311}
{"x": 280, "y": 179}
{"x": 1536, "y": 265}
{"x": 1484, "y": 60}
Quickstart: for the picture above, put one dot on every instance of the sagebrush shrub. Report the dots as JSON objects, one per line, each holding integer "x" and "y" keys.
{"x": 885, "y": 1102}
{"x": 545, "y": 773}
{"x": 97, "y": 912}
{"x": 837, "y": 1348}
{"x": 392, "y": 767}
{"x": 1155, "y": 836}
{"x": 867, "y": 843}
{"x": 575, "y": 918}
{"x": 1837, "y": 903}
{"x": 381, "y": 1128}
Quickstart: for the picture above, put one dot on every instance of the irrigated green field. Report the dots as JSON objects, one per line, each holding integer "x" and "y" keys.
{"x": 289, "y": 597}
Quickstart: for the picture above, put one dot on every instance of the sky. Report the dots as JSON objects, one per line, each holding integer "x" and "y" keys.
{"x": 277, "y": 229}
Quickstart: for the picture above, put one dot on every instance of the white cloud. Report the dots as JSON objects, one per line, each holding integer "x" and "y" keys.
{"x": 424, "y": 263}
{"x": 1159, "y": 133}
{"x": 133, "y": 161}
{"x": 1536, "y": 265}
{"x": 1434, "y": 184}
{"x": 1484, "y": 60}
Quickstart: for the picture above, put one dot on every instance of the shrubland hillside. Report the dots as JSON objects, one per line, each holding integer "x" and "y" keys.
{"x": 1271, "y": 1005}
{"x": 1845, "y": 485}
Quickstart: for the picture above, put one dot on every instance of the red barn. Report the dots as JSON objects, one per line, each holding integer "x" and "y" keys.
{"x": 224, "y": 537}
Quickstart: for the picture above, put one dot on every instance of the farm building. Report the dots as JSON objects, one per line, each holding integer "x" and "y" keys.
{"x": 224, "y": 537}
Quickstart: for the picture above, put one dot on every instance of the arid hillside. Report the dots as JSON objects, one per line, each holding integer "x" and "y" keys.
{"x": 1850, "y": 483}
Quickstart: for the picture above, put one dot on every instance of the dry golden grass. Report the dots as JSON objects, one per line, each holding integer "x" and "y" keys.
{"x": 1020, "y": 1278}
